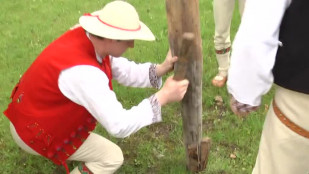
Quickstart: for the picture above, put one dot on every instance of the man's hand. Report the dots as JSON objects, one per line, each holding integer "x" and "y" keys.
{"x": 167, "y": 65}
{"x": 172, "y": 91}
{"x": 240, "y": 109}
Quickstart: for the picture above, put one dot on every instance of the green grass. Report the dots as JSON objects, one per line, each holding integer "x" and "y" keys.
{"x": 26, "y": 27}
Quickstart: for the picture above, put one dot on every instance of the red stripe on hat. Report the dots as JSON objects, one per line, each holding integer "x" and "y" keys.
{"x": 88, "y": 14}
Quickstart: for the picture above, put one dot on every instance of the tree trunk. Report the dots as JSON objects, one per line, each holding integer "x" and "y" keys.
{"x": 185, "y": 43}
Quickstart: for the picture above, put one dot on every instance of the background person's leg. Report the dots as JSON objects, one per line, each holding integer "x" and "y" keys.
{"x": 241, "y": 6}
{"x": 223, "y": 13}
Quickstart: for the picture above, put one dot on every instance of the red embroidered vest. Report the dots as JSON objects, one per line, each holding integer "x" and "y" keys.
{"x": 43, "y": 117}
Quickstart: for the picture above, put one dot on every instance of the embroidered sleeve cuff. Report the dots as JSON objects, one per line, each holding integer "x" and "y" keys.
{"x": 156, "y": 108}
{"x": 155, "y": 81}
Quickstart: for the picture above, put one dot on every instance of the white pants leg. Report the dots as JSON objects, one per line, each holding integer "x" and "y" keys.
{"x": 223, "y": 14}
{"x": 99, "y": 154}
{"x": 281, "y": 150}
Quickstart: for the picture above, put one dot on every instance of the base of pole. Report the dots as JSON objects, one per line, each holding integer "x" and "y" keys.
{"x": 198, "y": 159}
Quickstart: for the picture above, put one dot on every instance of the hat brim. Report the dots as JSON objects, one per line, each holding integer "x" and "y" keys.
{"x": 94, "y": 26}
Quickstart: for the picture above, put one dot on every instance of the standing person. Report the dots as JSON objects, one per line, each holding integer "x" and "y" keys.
{"x": 271, "y": 46}
{"x": 223, "y": 14}
{"x": 68, "y": 89}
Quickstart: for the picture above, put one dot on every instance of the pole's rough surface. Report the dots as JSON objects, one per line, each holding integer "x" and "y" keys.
{"x": 185, "y": 43}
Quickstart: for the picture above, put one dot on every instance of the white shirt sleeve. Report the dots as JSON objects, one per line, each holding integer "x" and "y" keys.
{"x": 254, "y": 50}
{"x": 88, "y": 87}
{"x": 128, "y": 73}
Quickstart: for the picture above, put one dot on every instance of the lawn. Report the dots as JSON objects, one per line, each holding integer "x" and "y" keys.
{"x": 28, "y": 26}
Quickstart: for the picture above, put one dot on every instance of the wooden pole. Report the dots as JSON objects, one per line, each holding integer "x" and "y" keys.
{"x": 185, "y": 42}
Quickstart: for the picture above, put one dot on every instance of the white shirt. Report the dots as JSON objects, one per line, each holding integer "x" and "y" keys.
{"x": 254, "y": 50}
{"x": 88, "y": 87}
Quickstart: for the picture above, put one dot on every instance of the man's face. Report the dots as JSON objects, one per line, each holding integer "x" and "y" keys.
{"x": 118, "y": 47}
{"x": 114, "y": 48}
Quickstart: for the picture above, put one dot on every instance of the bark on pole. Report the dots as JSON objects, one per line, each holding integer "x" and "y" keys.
{"x": 185, "y": 43}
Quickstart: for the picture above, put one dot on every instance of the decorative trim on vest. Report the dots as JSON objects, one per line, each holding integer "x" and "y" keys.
{"x": 83, "y": 169}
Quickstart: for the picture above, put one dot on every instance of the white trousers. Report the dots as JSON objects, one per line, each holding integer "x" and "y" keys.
{"x": 100, "y": 155}
{"x": 281, "y": 150}
{"x": 223, "y": 13}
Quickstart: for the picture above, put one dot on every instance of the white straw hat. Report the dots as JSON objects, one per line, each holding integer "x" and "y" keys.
{"x": 117, "y": 20}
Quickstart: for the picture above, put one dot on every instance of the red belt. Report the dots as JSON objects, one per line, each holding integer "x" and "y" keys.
{"x": 294, "y": 127}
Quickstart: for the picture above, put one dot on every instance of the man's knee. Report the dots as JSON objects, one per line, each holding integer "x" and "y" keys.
{"x": 109, "y": 162}
{"x": 117, "y": 157}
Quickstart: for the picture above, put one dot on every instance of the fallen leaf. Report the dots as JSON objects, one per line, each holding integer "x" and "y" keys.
{"x": 233, "y": 156}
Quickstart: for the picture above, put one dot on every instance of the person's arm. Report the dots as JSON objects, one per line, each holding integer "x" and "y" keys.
{"x": 254, "y": 50}
{"x": 129, "y": 73}
{"x": 88, "y": 87}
